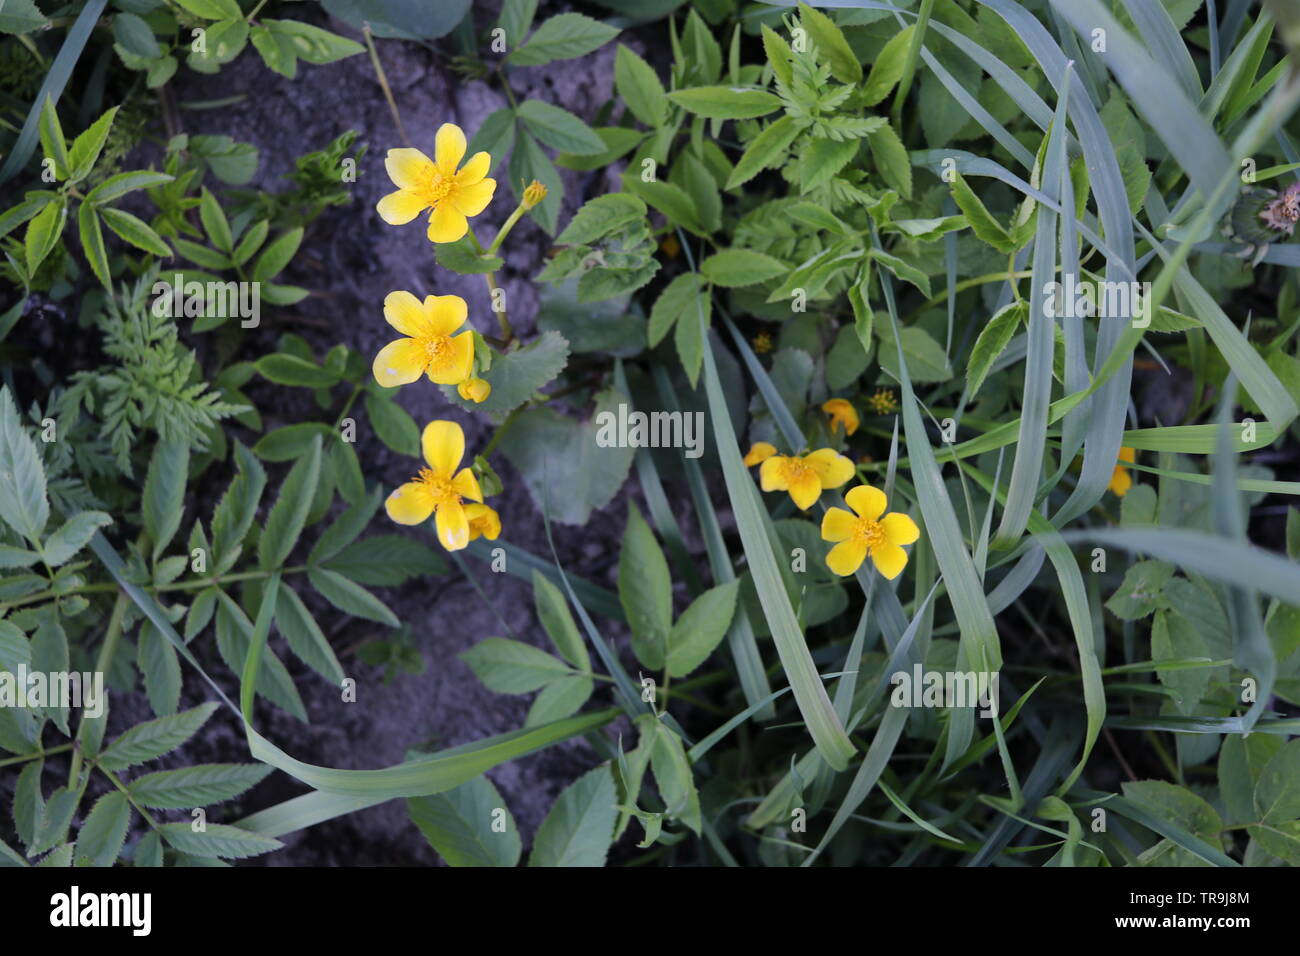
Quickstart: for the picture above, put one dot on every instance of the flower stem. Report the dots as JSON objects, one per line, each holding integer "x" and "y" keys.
{"x": 383, "y": 83}
{"x": 503, "y": 318}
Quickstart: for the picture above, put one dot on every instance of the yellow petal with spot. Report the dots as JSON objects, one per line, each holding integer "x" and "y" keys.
{"x": 449, "y": 148}
{"x": 399, "y": 208}
{"x": 867, "y": 502}
{"x": 832, "y": 468}
{"x": 456, "y": 366}
{"x": 453, "y": 527}
{"x": 443, "y": 444}
{"x": 900, "y": 528}
{"x": 408, "y": 168}
{"x": 771, "y": 475}
{"x": 412, "y": 503}
{"x": 760, "y": 452}
{"x": 444, "y": 313}
{"x": 447, "y": 223}
{"x": 399, "y": 363}
{"x": 473, "y": 199}
{"x": 837, "y": 524}
{"x": 475, "y": 168}
{"x": 466, "y": 485}
{"x": 846, "y": 557}
{"x": 889, "y": 560}
{"x": 805, "y": 489}
{"x": 404, "y": 313}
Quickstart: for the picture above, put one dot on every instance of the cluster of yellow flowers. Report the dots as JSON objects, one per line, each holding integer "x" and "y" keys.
{"x": 436, "y": 342}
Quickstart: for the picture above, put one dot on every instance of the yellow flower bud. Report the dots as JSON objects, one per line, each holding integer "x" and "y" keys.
{"x": 534, "y": 194}
{"x": 474, "y": 390}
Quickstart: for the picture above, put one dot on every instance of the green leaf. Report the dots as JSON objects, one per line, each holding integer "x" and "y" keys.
{"x": 1277, "y": 792}
{"x": 217, "y": 839}
{"x": 512, "y": 667}
{"x": 386, "y": 561}
{"x": 23, "y": 504}
{"x": 700, "y": 629}
{"x": 198, "y": 786}
{"x": 639, "y": 87}
{"x": 86, "y": 148}
{"x": 891, "y": 159}
{"x": 101, "y": 837}
{"x": 600, "y": 217}
{"x": 645, "y": 590}
{"x": 462, "y": 257}
{"x": 831, "y": 44}
{"x": 669, "y": 198}
{"x": 92, "y": 244}
{"x": 305, "y": 637}
{"x": 350, "y": 597}
{"x": 734, "y": 268}
{"x": 822, "y": 160}
{"x": 672, "y": 772}
{"x": 152, "y": 739}
{"x": 529, "y": 162}
{"x": 214, "y": 222}
{"x": 44, "y": 232}
{"x": 60, "y": 547}
{"x": 285, "y": 369}
{"x": 291, "y": 441}
{"x": 285, "y": 522}
{"x": 164, "y": 492}
{"x": 727, "y": 102}
{"x": 553, "y": 612}
{"x": 993, "y": 338}
{"x": 980, "y": 219}
{"x": 277, "y": 255}
{"x": 562, "y": 37}
{"x": 20, "y": 16}
{"x": 160, "y": 668}
{"x": 212, "y": 9}
{"x": 237, "y": 508}
{"x": 114, "y": 187}
{"x": 580, "y": 825}
{"x": 311, "y": 43}
{"x": 53, "y": 143}
{"x": 887, "y": 69}
{"x": 393, "y": 425}
{"x": 516, "y": 376}
{"x": 553, "y": 452}
{"x": 135, "y": 231}
{"x": 1142, "y": 590}
{"x": 250, "y": 242}
{"x": 764, "y": 151}
{"x": 345, "y": 528}
{"x": 678, "y": 298}
{"x": 559, "y": 129}
{"x": 458, "y": 823}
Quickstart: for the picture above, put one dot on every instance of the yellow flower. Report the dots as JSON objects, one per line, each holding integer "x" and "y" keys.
{"x": 483, "y": 521}
{"x": 1120, "y": 480}
{"x": 806, "y": 476}
{"x": 474, "y": 390}
{"x": 762, "y": 343}
{"x": 842, "y": 415}
{"x": 534, "y": 193}
{"x": 431, "y": 348}
{"x": 760, "y": 453}
{"x": 440, "y": 489}
{"x": 883, "y": 402}
{"x": 436, "y": 185}
{"x": 865, "y": 532}
{"x": 670, "y": 246}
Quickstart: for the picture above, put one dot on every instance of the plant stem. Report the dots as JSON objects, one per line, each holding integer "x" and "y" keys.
{"x": 40, "y": 754}
{"x": 383, "y": 83}
{"x": 909, "y": 65}
{"x": 503, "y": 318}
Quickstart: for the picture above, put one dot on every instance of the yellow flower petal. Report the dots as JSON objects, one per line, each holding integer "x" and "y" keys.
{"x": 760, "y": 452}
{"x": 483, "y": 521}
{"x": 404, "y": 313}
{"x": 457, "y": 366}
{"x": 399, "y": 363}
{"x": 473, "y": 199}
{"x": 399, "y": 208}
{"x": 843, "y": 415}
{"x": 1120, "y": 481}
{"x": 837, "y": 524}
{"x": 408, "y": 168}
{"x": 474, "y": 390}
{"x": 805, "y": 489}
{"x": 443, "y": 444}
{"x": 449, "y": 148}
{"x": 453, "y": 526}
{"x": 900, "y": 528}
{"x": 846, "y": 557}
{"x": 889, "y": 560}
{"x": 832, "y": 468}
{"x": 447, "y": 223}
{"x": 444, "y": 313}
{"x": 771, "y": 475}
{"x": 412, "y": 503}
{"x": 1128, "y": 454}
{"x": 475, "y": 168}
{"x": 466, "y": 485}
{"x": 867, "y": 502}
